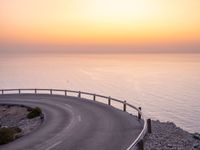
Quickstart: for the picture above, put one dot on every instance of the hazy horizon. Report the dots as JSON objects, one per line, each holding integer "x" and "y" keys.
{"x": 94, "y": 49}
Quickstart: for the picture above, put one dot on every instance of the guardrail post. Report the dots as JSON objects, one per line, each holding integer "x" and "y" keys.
{"x": 124, "y": 108}
{"x": 51, "y": 91}
{"x": 65, "y": 92}
{"x": 149, "y": 126}
{"x": 109, "y": 101}
{"x": 19, "y": 91}
{"x": 139, "y": 115}
{"x": 141, "y": 145}
{"x": 2, "y": 92}
{"x": 35, "y": 91}
{"x": 79, "y": 94}
{"x": 94, "y": 97}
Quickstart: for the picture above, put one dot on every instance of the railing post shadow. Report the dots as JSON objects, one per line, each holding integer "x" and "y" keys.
{"x": 124, "y": 108}
{"x": 139, "y": 115}
{"x": 141, "y": 145}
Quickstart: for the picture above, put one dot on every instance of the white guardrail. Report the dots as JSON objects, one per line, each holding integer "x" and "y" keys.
{"x": 137, "y": 143}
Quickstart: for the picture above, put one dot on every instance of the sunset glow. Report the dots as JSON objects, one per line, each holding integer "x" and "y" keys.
{"x": 99, "y": 21}
{"x": 99, "y": 74}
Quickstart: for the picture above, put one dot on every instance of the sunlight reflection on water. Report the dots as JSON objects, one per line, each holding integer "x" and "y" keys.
{"x": 165, "y": 85}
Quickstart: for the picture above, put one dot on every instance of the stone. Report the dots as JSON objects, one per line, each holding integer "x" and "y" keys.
{"x": 169, "y": 145}
{"x": 196, "y": 146}
{"x": 196, "y": 136}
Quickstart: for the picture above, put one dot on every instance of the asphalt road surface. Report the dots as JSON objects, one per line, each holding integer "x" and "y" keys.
{"x": 75, "y": 124}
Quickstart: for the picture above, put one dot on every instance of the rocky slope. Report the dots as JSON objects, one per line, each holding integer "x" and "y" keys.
{"x": 167, "y": 136}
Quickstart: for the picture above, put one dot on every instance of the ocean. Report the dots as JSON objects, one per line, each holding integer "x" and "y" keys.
{"x": 166, "y": 86}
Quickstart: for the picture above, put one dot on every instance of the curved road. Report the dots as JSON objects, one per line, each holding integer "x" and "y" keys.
{"x": 75, "y": 124}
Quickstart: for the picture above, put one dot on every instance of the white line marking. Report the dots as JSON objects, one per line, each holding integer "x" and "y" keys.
{"x": 52, "y": 146}
{"x": 68, "y": 106}
{"x": 79, "y": 118}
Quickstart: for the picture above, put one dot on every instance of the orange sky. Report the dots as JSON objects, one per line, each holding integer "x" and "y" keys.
{"x": 99, "y": 22}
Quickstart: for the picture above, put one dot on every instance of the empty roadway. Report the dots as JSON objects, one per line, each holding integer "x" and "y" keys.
{"x": 75, "y": 124}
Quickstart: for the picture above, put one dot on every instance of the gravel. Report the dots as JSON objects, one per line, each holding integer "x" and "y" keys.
{"x": 167, "y": 136}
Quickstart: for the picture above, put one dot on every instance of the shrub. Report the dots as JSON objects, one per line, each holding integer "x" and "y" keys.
{"x": 34, "y": 113}
{"x": 8, "y": 134}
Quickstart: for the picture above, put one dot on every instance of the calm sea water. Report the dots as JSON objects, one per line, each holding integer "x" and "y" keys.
{"x": 166, "y": 86}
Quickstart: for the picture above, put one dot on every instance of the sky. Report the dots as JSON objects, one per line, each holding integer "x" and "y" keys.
{"x": 100, "y": 25}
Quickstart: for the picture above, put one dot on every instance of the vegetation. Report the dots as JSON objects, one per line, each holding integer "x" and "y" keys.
{"x": 35, "y": 112}
{"x": 8, "y": 134}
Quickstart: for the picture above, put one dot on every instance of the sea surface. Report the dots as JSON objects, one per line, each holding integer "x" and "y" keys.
{"x": 166, "y": 86}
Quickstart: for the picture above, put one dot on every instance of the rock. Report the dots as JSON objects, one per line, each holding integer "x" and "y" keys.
{"x": 196, "y": 136}
{"x": 169, "y": 145}
{"x": 42, "y": 116}
{"x": 196, "y": 146}
{"x": 29, "y": 109}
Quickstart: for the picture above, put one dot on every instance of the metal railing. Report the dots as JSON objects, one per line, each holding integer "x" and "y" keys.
{"x": 79, "y": 94}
